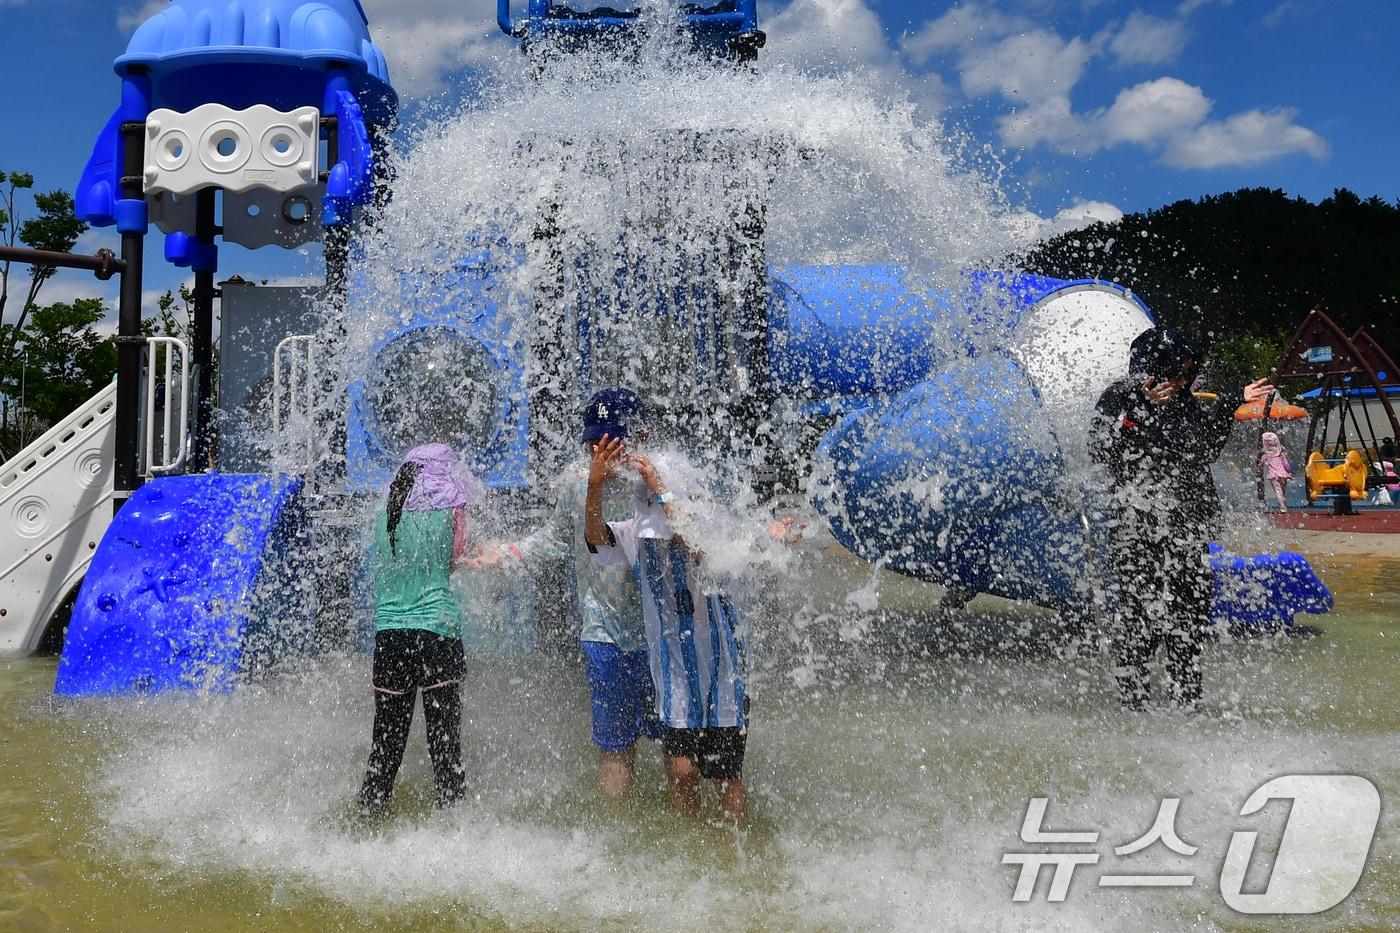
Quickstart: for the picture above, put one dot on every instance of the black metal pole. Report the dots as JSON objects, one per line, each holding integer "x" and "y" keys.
{"x": 204, "y": 231}
{"x": 104, "y": 263}
{"x": 130, "y": 343}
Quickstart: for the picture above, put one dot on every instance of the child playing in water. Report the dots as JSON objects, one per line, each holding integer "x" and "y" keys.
{"x": 1273, "y": 466}
{"x": 611, "y": 635}
{"x": 697, "y": 643}
{"x": 420, "y": 537}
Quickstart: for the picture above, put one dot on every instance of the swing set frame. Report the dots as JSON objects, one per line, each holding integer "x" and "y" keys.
{"x": 1341, "y": 365}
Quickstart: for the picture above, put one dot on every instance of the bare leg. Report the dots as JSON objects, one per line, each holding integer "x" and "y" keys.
{"x": 1278, "y": 494}
{"x": 734, "y": 801}
{"x": 684, "y": 775}
{"x": 615, "y": 771}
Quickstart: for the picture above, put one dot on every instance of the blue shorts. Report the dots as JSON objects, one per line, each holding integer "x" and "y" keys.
{"x": 624, "y": 701}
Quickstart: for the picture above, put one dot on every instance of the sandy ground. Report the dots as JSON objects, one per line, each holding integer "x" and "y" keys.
{"x": 1254, "y": 537}
{"x": 1324, "y": 544}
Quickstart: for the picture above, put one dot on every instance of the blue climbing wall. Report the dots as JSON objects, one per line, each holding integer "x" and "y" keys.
{"x": 195, "y": 583}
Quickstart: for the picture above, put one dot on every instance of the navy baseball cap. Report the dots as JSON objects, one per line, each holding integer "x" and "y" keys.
{"x": 614, "y": 412}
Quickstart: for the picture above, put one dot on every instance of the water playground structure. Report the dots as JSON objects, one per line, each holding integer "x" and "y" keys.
{"x": 265, "y": 122}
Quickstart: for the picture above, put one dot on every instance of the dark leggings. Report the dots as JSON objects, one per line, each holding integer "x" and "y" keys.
{"x": 407, "y": 661}
{"x": 1164, "y": 603}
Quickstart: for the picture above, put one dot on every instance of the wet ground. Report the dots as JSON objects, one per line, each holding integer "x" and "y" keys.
{"x": 894, "y": 750}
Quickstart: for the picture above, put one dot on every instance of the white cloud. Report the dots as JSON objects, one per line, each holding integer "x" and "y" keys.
{"x": 1167, "y": 115}
{"x": 816, "y": 34}
{"x": 424, "y": 40}
{"x": 1249, "y": 138}
{"x": 1032, "y": 228}
{"x": 840, "y": 36}
{"x": 1003, "y": 55}
{"x": 1278, "y": 14}
{"x": 1029, "y": 66}
{"x": 1187, "y": 7}
{"x": 1084, "y": 213}
{"x": 1051, "y": 121}
{"x": 1153, "y": 111}
{"x": 129, "y": 17}
{"x": 963, "y": 25}
{"x": 1148, "y": 40}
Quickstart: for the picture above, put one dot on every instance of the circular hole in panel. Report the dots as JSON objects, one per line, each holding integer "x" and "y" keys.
{"x": 282, "y": 145}
{"x": 172, "y": 151}
{"x": 297, "y": 210}
{"x": 437, "y": 384}
{"x": 253, "y": 210}
{"x": 224, "y": 147}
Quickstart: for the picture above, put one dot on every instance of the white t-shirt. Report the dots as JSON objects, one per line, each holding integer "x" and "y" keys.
{"x": 697, "y": 644}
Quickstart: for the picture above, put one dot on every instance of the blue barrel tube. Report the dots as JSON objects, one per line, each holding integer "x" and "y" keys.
{"x": 955, "y": 481}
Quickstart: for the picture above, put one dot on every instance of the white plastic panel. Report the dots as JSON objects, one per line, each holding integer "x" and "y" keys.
{"x": 55, "y": 506}
{"x": 236, "y": 150}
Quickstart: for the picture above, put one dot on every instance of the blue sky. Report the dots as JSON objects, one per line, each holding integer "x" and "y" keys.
{"x": 1100, "y": 106}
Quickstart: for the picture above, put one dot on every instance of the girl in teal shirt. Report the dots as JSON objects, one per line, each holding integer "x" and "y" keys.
{"x": 420, "y": 537}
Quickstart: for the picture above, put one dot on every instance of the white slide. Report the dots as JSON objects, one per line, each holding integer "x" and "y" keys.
{"x": 55, "y": 506}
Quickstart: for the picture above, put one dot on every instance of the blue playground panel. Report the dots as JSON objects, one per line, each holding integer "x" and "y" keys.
{"x": 473, "y": 317}
{"x": 245, "y": 52}
{"x": 991, "y": 518}
{"x": 194, "y": 584}
{"x": 1265, "y": 591}
{"x": 850, "y": 331}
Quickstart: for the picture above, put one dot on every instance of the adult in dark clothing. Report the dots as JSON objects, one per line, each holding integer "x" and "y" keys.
{"x": 1157, "y": 443}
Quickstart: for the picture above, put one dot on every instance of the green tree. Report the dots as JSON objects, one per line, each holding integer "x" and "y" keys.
{"x": 65, "y": 360}
{"x": 174, "y": 316}
{"x": 1249, "y": 262}
{"x": 53, "y": 226}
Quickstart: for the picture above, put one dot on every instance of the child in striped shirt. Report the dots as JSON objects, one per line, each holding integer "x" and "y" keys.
{"x": 697, "y": 642}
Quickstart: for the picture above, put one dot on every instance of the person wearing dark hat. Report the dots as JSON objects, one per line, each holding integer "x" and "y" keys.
{"x": 1157, "y": 442}
{"x": 611, "y": 633}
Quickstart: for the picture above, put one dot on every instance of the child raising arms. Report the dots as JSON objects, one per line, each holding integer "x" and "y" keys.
{"x": 697, "y": 643}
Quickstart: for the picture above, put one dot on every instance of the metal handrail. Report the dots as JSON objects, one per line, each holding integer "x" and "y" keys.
{"x": 281, "y": 390}
{"x": 165, "y": 464}
{"x": 505, "y": 22}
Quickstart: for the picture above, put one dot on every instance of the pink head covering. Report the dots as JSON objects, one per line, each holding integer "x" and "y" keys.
{"x": 442, "y": 483}
{"x": 1270, "y": 444}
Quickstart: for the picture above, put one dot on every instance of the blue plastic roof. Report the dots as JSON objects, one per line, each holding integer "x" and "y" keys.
{"x": 714, "y": 20}
{"x": 229, "y": 51}
{"x": 1360, "y": 392}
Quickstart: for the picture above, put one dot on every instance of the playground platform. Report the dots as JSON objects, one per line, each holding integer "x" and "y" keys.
{"x": 1365, "y": 521}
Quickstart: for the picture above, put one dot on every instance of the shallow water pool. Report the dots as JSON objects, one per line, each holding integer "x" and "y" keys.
{"x": 894, "y": 750}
